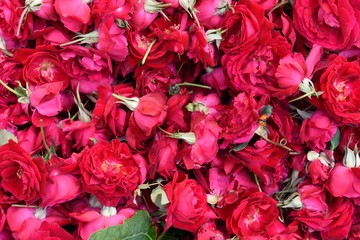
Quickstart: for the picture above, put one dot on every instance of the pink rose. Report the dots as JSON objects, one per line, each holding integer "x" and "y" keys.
{"x": 317, "y": 130}
{"x": 344, "y": 181}
{"x": 188, "y": 208}
{"x": 73, "y": 13}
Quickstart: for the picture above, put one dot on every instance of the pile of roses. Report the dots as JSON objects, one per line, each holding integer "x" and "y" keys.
{"x": 222, "y": 119}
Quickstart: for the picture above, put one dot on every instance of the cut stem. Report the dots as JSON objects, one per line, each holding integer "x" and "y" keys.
{"x": 43, "y": 136}
{"x": 303, "y": 96}
{"x": 148, "y": 52}
{"x": 193, "y": 85}
{"x": 10, "y": 89}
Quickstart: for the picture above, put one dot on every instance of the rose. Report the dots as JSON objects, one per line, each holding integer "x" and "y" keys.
{"x": 73, "y": 14}
{"x": 155, "y": 79}
{"x": 253, "y": 70}
{"x": 22, "y": 178}
{"x": 41, "y": 65}
{"x": 253, "y": 216}
{"x": 317, "y": 130}
{"x": 112, "y": 40}
{"x": 344, "y": 182}
{"x": 240, "y": 120}
{"x": 26, "y": 223}
{"x": 92, "y": 220}
{"x": 335, "y": 223}
{"x": 331, "y": 24}
{"x": 162, "y": 156}
{"x": 243, "y": 26}
{"x": 87, "y": 67}
{"x": 110, "y": 171}
{"x": 56, "y": 191}
{"x": 149, "y": 114}
{"x": 188, "y": 208}
{"x": 205, "y": 148}
{"x": 341, "y": 86}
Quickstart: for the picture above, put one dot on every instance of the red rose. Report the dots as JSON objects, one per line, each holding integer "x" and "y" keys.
{"x": 331, "y": 24}
{"x": 188, "y": 208}
{"x": 341, "y": 86}
{"x": 22, "y": 178}
{"x": 253, "y": 216}
{"x": 242, "y": 26}
{"x": 317, "y": 130}
{"x": 88, "y": 67}
{"x": 41, "y": 65}
{"x": 149, "y": 114}
{"x": 110, "y": 171}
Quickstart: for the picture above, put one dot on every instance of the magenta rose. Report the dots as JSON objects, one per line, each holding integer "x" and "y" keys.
{"x": 331, "y": 24}
{"x": 22, "y": 178}
{"x": 317, "y": 130}
{"x": 188, "y": 208}
{"x": 341, "y": 86}
{"x": 110, "y": 171}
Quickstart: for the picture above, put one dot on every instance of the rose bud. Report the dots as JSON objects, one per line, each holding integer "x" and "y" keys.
{"x": 73, "y": 13}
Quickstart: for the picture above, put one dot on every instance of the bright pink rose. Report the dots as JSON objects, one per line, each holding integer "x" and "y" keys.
{"x": 73, "y": 13}
{"x": 144, "y": 121}
{"x": 25, "y": 223}
{"x": 210, "y": 13}
{"x": 188, "y": 208}
{"x": 47, "y": 10}
{"x": 206, "y": 146}
{"x": 209, "y": 231}
{"x": 317, "y": 130}
{"x": 341, "y": 86}
{"x": 331, "y": 24}
{"x": 22, "y": 178}
{"x": 112, "y": 40}
{"x": 56, "y": 191}
{"x": 344, "y": 181}
{"x": 110, "y": 171}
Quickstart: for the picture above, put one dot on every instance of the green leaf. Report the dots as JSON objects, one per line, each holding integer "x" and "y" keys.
{"x": 335, "y": 140}
{"x": 239, "y": 147}
{"x": 267, "y": 110}
{"x": 5, "y": 136}
{"x": 138, "y": 227}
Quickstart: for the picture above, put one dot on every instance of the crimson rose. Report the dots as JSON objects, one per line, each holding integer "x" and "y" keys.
{"x": 110, "y": 171}
{"x": 22, "y": 178}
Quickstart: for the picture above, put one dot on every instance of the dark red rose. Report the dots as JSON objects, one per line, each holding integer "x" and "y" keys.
{"x": 341, "y": 86}
{"x": 110, "y": 171}
{"x": 42, "y": 65}
{"x": 331, "y": 24}
{"x": 22, "y": 178}
{"x": 188, "y": 208}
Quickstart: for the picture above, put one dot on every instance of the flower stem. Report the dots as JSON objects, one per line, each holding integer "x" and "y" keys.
{"x": 147, "y": 52}
{"x": 193, "y": 85}
{"x": 43, "y": 136}
{"x": 10, "y": 89}
{"x": 303, "y": 96}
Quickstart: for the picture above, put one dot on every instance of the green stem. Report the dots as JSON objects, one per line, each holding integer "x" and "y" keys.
{"x": 303, "y": 96}
{"x": 10, "y": 89}
{"x": 257, "y": 182}
{"x": 193, "y": 85}
{"x": 71, "y": 42}
{"x": 43, "y": 136}
{"x": 27, "y": 206}
{"x": 148, "y": 52}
